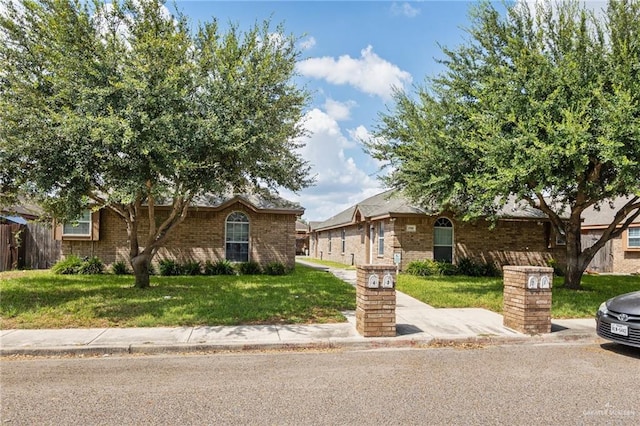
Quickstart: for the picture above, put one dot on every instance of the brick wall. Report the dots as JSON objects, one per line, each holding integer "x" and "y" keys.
{"x": 355, "y": 242}
{"x": 625, "y": 261}
{"x": 375, "y": 307}
{"x": 199, "y": 237}
{"x": 508, "y": 243}
{"x": 527, "y": 310}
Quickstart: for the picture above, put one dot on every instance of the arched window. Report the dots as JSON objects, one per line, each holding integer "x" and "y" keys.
{"x": 443, "y": 240}
{"x": 237, "y": 237}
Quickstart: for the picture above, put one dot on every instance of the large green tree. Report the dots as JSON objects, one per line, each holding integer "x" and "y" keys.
{"x": 541, "y": 104}
{"x": 123, "y": 106}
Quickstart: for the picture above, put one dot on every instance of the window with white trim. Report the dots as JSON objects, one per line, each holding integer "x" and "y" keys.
{"x": 443, "y": 240}
{"x": 633, "y": 237}
{"x": 329, "y": 241}
{"x": 237, "y": 237}
{"x": 381, "y": 239}
{"x": 343, "y": 241}
{"x": 79, "y": 227}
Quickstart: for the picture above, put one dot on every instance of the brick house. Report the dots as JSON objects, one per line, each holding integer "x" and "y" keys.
{"x": 239, "y": 228}
{"x": 302, "y": 238}
{"x": 619, "y": 255}
{"x": 386, "y": 227}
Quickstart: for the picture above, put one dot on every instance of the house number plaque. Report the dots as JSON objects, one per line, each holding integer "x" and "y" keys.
{"x": 373, "y": 281}
{"x": 544, "y": 282}
{"x": 387, "y": 281}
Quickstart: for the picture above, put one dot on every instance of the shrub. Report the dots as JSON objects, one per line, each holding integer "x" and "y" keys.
{"x": 470, "y": 267}
{"x": 557, "y": 270}
{"x": 422, "y": 268}
{"x": 221, "y": 267}
{"x": 250, "y": 268}
{"x": 491, "y": 270}
{"x": 473, "y": 268}
{"x": 446, "y": 268}
{"x": 275, "y": 268}
{"x": 69, "y": 265}
{"x": 169, "y": 268}
{"x": 191, "y": 268}
{"x": 119, "y": 268}
{"x": 91, "y": 266}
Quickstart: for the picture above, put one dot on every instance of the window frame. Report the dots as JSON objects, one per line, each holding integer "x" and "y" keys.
{"x": 343, "y": 240}
{"x": 629, "y": 236}
{"x": 380, "y": 238}
{"x": 226, "y": 236}
{"x": 81, "y": 220}
{"x": 452, "y": 245}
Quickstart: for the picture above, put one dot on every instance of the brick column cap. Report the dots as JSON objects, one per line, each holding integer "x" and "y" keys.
{"x": 378, "y": 267}
{"x": 530, "y": 269}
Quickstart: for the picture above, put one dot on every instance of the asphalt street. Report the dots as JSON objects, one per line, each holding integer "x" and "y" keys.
{"x": 527, "y": 384}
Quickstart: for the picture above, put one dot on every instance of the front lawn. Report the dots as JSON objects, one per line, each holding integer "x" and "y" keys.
{"x": 327, "y": 263}
{"x": 41, "y": 299}
{"x": 472, "y": 292}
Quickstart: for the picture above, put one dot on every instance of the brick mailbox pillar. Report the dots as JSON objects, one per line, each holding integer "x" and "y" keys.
{"x": 527, "y": 298}
{"x": 376, "y": 300}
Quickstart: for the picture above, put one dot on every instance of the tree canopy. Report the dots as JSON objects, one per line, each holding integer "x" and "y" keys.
{"x": 543, "y": 104}
{"x": 121, "y": 105}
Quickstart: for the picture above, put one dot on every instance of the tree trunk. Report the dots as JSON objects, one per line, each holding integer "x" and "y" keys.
{"x": 140, "y": 264}
{"x": 575, "y": 268}
{"x": 573, "y": 275}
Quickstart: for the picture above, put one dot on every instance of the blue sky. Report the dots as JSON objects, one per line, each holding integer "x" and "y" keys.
{"x": 354, "y": 52}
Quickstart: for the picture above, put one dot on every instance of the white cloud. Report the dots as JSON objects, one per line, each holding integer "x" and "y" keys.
{"x": 340, "y": 181}
{"x": 369, "y": 73}
{"x": 404, "y": 9}
{"x": 362, "y": 135}
{"x": 339, "y": 111}
{"x": 308, "y": 43}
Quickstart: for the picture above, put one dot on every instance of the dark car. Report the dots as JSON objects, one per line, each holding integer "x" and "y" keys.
{"x": 618, "y": 319}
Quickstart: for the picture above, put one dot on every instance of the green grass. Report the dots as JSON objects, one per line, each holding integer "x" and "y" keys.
{"x": 41, "y": 299}
{"x": 327, "y": 263}
{"x": 471, "y": 292}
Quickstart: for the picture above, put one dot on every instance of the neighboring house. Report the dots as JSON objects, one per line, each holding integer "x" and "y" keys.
{"x": 302, "y": 238}
{"x": 19, "y": 214}
{"x": 238, "y": 228}
{"x": 619, "y": 255}
{"x": 387, "y": 228}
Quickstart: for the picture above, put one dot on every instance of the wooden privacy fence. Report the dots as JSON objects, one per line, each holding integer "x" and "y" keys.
{"x": 603, "y": 260}
{"x": 10, "y": 246}
{"x": 27, "y": 246}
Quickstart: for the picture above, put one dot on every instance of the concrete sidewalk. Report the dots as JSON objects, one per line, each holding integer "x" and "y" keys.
{"x": 417, "y": 324}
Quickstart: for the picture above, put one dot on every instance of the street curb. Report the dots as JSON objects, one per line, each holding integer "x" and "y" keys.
{"x": 368, "y": 344}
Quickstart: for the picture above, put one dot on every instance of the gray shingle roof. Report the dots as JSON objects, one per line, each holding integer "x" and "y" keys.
{"x": 605, "y": 214}
{"x": 385, "y": 203}
{"x": 259, "y": 201}
{"x": 518, "y": 209}
{"x": 392, "y": 203}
